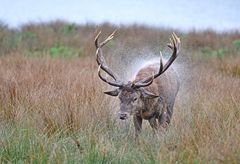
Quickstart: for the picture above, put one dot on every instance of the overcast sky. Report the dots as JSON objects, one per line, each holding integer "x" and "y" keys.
{"x": 183, "y": 14}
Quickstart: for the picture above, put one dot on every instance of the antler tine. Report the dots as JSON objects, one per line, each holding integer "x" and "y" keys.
{"x": 177, "y": 42}
{"x": 161, "y": 66}
{"x": 148, "y": 81}
{"x": 110, "y": 37}
{"x": 161, "y": 63}
{"x": 96, "y": 39}
{"x": 116, "y": 84}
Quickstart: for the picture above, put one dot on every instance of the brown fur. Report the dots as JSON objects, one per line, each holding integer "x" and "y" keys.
{"x": 166, "y": 87}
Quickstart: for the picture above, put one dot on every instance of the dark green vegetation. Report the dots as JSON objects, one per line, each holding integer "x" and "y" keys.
{"x": 52, "y": 109}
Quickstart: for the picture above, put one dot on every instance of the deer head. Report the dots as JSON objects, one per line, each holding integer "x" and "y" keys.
{"x": 132, "y": 94}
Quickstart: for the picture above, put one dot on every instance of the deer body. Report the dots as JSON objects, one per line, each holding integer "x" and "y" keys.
{"x": 157, "y": 111}
{"x": 146, "y": 97}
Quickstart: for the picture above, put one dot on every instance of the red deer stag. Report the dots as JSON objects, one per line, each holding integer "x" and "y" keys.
{"x": 150, "y": 95}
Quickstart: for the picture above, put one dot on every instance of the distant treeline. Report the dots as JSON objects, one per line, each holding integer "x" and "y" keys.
{"x": 69, "y": 39}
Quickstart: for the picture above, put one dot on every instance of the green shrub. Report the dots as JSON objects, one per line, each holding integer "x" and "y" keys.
{"x": 69, "y": 28}
{"x": 63, "y": 51}
{"x": 209, "y": 52}
{"x": 236, "y": 43}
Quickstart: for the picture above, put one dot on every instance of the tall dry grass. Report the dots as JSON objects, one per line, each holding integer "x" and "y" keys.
{"x": 57, "y": 93}
{"x": 52, "y": 109}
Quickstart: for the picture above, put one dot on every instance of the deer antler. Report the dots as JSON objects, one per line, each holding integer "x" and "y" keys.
{"x": 174, "y": 45}
{"x": 102, "y": 63}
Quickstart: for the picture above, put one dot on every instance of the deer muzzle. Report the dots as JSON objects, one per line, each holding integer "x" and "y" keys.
{"x": 123, "y": 115}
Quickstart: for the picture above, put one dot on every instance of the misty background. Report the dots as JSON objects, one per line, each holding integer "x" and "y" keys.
{"x": 220, "y": 15}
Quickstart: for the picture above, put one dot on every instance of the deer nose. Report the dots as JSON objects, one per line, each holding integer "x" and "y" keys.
{"x": 123, "y": 116}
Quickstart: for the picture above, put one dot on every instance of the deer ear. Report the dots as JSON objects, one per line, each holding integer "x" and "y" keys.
{"x": 112, "y": 93}
{"x": 147, "y": 94}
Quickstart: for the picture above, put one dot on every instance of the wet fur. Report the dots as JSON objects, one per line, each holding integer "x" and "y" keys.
{"x": 157, "y": 111}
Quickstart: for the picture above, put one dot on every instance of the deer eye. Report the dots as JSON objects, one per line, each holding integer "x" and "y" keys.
{"x": 135, "y": 99}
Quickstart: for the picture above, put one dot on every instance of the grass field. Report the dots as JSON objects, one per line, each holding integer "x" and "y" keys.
{"x": 53, "y": 110}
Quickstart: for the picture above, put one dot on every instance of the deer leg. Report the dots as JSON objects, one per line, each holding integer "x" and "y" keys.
{"x": 163, "y": 117}
{"x": 137, "y": 124}
{"x": 169, "y": 112}
{"x": 162, "y": 120}
{"x": 153, "y": 123}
